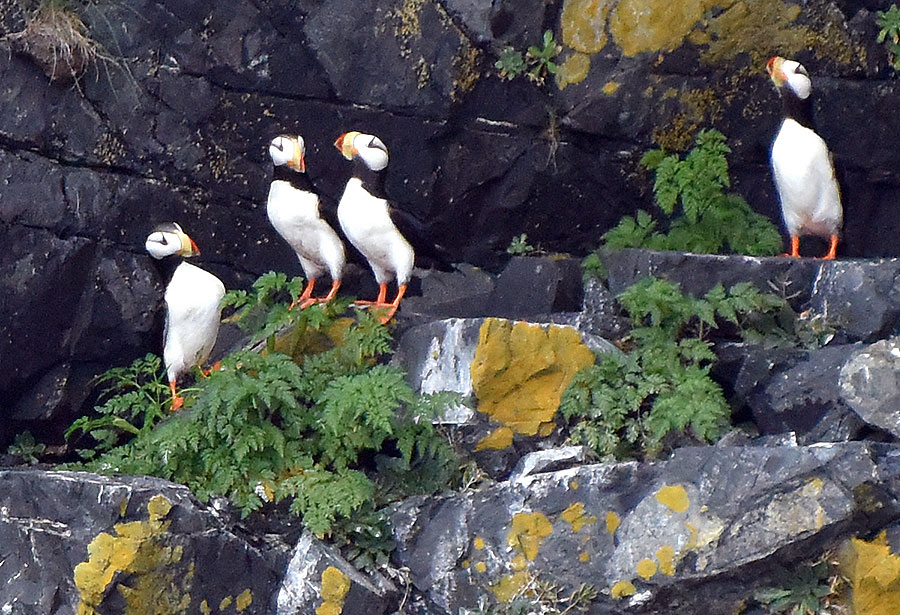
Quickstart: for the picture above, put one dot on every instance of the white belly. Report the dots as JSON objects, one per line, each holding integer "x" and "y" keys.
{"x": 294, "y": 214}
{"x": 366, "y": 222}
{"x": 192, "y": 318}
{"x": 804, "y": 177}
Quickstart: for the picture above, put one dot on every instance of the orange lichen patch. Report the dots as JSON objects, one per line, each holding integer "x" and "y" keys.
{"x": 506, "y": 588}
{"x": 335, "y": 585}
{"x": 656, "y": 25}
{"x": 583, "y": 24}
{"x": 573, "y": 70}
{"x": 478, "y": 543}
{"x": 622, "y": 589}
{"x": 497, "y": 440}
{"x": 646, "y": 568}
{"x": 665, "y": 555}
{"x": 518, "y": 563}
{"x": 874, "y": 575}
{"x": 480, "y": 566}
{"x": 674, "y": 497}
{"x": 155, "y": 580}
{"x": 465, "y": 563}
{"x": 576, "y": 516}
{"x": 612, "y": 522}
{"x": 527, "y": 533}
{"x": 520, "y": 371}
{"x": 584, "y": 557}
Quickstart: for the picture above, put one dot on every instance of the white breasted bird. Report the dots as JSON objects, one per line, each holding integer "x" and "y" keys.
{"x": 293, "y": 209}
{"x": 192, "y": 303}
{"x": 370, "y": 222}
{"x": 801, "y": 163}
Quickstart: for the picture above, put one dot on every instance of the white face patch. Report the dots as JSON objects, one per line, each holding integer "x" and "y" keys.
{"x": 372, "y": 151}
{"x": 797, "y": 78}
{"x": 282, "y": 150}
{"x": 161, "y": 244}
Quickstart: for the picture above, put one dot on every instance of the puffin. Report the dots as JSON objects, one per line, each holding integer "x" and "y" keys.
{"x": 801, "y": 163}
{"x": 370, "y": 222}
{"x": 293, "y": 210}
{"x": 192, "y": 303}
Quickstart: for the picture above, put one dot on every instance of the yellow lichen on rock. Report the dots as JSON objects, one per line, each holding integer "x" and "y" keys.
{"x": 622, "y": 589}
{"x": 527, "y": 533}
{"x": 243, "y": 600}
{"x": 573, "y": 70}
{"x": 509, "y": 586}
{"x": 612, "y": 522}
{"x": 335, "y": 585}
{"x": 665, "y": 555}
{"x": 500, "y": 438}
{"x": 874, "y": 575}
{"x": 674, "y": 497}
{"x": 520, "y": 371}
{"x": 157, "y": 582}
{"x": 656, "y": 25}
{"x": 576, "y": 516}
{"x": 583, "y": 24}
{"x": 646, "y": 568}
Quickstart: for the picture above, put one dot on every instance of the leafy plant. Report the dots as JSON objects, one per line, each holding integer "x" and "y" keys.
{"x": 24, "y": 446}
{"x": 267, "y": 428}
{"x": 709, "y": 220}
{"x": 540, "y": 58}
{"x": 536, "y": 63}
{"x": 519, "y": 246}
{"x": 134, "y": 399}
{"x": 804, "y": 593}
{"x": 629, "y": 403}
{"x": 889, "y": 22}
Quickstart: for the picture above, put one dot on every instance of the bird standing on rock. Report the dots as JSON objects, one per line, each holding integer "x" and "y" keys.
{"x": 192, "y": 303}
{"x": 293, "y": 209}
{"x": 802, "y": 164}
{"x": 370, "y": 222}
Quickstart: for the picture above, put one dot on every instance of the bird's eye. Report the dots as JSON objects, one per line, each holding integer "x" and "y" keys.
{"x": 802, "y": 70}
{"x": 163, "y": 240}
{"x": 277, "y": 144}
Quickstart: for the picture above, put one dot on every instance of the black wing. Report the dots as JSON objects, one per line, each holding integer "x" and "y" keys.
{"x": 428, "y": 253}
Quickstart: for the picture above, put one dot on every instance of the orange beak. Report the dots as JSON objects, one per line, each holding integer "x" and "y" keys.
{"x": 194, "y": 248}
{"x": 302, "y": 164}
{"x": 339, "y": 143}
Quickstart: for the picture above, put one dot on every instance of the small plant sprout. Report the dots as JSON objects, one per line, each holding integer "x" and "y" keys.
{"x": 511, "y": 64}
{"x": 519, "y": 246}
{"x": 805, "y": 592}
{"x": 541, "y": 58}
{"x": 889, "y": 22}
{"x": 25, "y": 447}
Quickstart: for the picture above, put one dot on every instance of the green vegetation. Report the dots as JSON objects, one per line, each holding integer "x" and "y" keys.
{"x": 628, "y": 404}
{"x": 24, "y": 446}
{"x": 538, "y": 597}
{"x": 889, "y": 22}
{"x": 710, "y": 220}
{"x": 519, "y": 246}
{"x": 314, "y": 419}
{"x": 805, "y": 591}
{"x": 536, "y": 63}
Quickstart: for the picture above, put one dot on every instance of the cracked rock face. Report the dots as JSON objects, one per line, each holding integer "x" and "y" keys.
{"x": 173, "y": 125}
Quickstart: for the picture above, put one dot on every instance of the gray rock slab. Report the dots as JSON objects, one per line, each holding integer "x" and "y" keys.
{"x": 697, "y": 531}
{"x": 870, "y": 384}
{"x": 68, "y": 538}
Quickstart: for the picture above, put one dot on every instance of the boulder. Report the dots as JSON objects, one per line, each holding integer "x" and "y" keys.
{"x": 870, "y": 385}
{"x": 77, "y": 542}
{"x": 699, "y": 531}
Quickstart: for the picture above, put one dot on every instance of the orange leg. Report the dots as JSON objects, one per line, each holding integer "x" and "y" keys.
{"x": 307, "y": 293}
{"x": 392, "y": 307}
{"x": 335, "y": 285}
{"x": 795, "y": 247}
{"x": 212, "y": 368}
{"x": 380, "y": 300}
{"x": 832, "y": 249}
{"x": 177, "y": 400}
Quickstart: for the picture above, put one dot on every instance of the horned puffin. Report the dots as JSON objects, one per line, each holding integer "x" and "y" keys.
{"x": 293, "y": 210}
{"x": 801, "y": 163}
{"x": 368, "y": 220}
{"x": 192, "y": 303}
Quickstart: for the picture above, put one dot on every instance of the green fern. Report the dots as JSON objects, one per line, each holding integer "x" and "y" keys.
{"x": 710, "y": 220}
{"x": 267, "y": 427}
{"x": 629, "y": 404}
